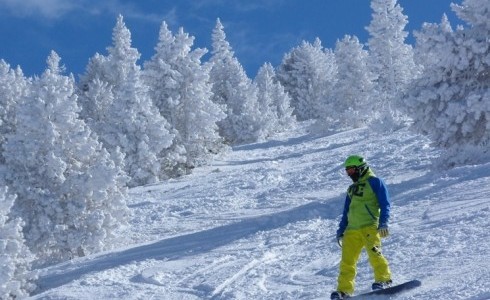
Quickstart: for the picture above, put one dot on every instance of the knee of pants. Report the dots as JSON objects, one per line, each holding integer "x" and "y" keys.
{"x": 372, "y": 239}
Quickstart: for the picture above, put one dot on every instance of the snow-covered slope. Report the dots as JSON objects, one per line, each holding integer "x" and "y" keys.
{"x": 259, "y": 223}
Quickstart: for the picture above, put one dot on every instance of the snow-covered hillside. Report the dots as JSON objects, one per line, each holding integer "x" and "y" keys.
{"x": 259, "y": 223}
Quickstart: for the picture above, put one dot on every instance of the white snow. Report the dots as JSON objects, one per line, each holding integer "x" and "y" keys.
{"x": 260, "y": 221}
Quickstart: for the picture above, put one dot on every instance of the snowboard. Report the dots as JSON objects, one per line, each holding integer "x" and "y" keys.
{"x": 391, "y": 290}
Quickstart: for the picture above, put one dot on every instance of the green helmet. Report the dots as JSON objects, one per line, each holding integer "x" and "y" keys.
{"x": 356, "y": 167}
{"x": 355, "y": 161}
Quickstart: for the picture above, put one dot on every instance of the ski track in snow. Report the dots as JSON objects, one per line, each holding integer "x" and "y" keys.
{"x": 259, "y": 223}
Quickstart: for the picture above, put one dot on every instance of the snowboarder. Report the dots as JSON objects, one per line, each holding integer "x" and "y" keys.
{"x": 364, "y": 222}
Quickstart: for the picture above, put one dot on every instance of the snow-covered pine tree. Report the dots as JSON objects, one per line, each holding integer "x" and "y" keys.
{"x": 430, "y": 41}
{"x": 95, "y": 96}
{"x": 160, "y": 75}
{"x": 180, "y": 88}
{"x": 69, "y": 192}
{"x": 451, "y": 100}
{"x": 117, "y": 105}
{"x": 233, "y": 91}
{"x": 13, "y": 86}
{"x": 391, "y": 59}
{"x": 476, "y": 14}
{"x": 353, "y": 96}
{"x": 274, "y": 102}
{"x": 15, "y": 257}
{"x": 308, "y": 73}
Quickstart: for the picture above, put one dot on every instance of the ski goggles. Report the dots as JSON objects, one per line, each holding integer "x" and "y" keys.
{"x": 350, "y": 170}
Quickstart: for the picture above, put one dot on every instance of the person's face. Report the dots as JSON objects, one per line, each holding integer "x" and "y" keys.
{"x": 350, "y": 170}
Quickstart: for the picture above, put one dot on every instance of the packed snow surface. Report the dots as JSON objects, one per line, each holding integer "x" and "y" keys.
{"x": 260, "y": 222}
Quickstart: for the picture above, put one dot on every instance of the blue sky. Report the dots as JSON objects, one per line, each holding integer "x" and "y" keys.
{"x": 259, "y": 31}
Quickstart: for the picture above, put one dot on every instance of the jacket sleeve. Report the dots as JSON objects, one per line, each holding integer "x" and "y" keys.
{"x": 344, "y": 221}
{"x": 381, "y": 192}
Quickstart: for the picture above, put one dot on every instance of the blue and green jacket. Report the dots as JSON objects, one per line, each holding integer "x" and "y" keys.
{"x": 367, "y": 204}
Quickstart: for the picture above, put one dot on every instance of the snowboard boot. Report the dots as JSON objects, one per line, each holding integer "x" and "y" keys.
{"x": 339, "y": 295}
{"x": 381, "y": 285}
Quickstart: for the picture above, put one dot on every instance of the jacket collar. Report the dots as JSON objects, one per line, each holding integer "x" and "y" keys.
{"x": 369, "y": 173}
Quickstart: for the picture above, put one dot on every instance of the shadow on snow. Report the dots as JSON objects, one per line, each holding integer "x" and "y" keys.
{"x": 185, "y": 245}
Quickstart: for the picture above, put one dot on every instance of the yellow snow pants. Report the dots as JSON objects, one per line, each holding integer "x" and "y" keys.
{"x": 353, "y": 242}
